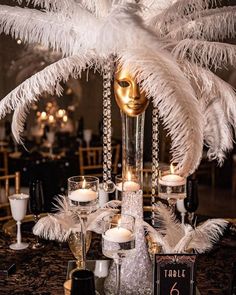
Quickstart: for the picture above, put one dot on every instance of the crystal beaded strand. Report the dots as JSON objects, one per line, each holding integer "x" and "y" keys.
{"x": 155, "y": 158}
{"x": 108, "y": 185}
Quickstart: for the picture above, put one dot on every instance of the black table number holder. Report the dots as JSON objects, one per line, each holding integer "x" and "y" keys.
{"x": 174, "y": 274}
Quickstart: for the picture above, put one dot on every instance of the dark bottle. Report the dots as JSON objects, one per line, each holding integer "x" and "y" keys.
{"x": 80, "y": 130}
{"x": 232, "y": 290}
{"x": 83, "y": 282}
{"x": 191, "y": 200}
{"x": 36, "y": 197}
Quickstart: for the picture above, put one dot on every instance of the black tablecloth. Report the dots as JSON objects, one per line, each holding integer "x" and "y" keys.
{"x": 43, "y": 272}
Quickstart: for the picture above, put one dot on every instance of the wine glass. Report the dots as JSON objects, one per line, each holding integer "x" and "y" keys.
{"x": 18, "y": 204}
{"x": 181, "y": 208}
{"x": 50, "y": 138}
{"x": 83, "y": 193}
{"x": 75, "y": 244}
{"x": 118, "y": 240}
{"x": 87, "y": 136}
{"x": 171, "y": 185}
{"x": 36, "y": 205}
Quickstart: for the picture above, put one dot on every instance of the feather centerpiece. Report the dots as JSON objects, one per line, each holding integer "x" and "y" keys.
{"x": 175, "y": 237}
{"x": 66, "y": 219}
{"x": 155, "y": 39}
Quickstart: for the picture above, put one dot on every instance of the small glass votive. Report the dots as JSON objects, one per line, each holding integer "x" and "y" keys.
{"x": 127, "y": 184}
{"x": 83, "y": 192}
{"x": 171, "y": 185}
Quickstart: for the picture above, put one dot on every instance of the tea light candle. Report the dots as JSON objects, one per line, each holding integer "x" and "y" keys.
{"x": 83, "y": 195}
{"x": 129, "y": 186}
{"x": 118, "y": 235}
{"x": 172, "y": 179}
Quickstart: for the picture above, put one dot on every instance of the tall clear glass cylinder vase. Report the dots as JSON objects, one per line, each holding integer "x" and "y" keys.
{"x": 132, "y": 150}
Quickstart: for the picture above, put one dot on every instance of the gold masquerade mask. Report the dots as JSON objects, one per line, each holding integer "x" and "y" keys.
{"x": 128, "y": 95}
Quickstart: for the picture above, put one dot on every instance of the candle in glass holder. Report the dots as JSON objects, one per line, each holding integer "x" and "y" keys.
{"x": 83, "y": 194}
{"x": 172, "y": 179}
{"x": 129, "y": 185}
{"x": 118, "y": 234}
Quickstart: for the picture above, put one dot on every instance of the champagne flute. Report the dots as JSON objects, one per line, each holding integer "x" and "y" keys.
{"x": 18, "y": 204}
{"x": 118, "y": 240}
{"x": 83, "y": 193}
{"x": 36, "y": 205}
{"x": 75, "y": 244}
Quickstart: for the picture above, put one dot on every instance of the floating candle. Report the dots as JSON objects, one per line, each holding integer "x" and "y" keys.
{"x": 129, "y": 185}
{"x": 118, "y": 235}
{"x": 171, "y": 179}
{"x": 83, "y": 195}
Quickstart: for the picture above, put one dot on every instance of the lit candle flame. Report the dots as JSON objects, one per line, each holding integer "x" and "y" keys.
{"x": 129, "y": 176}
{"x": 118, "y": 223}
{"x": 84, "y": 183}
{"x": 172, "y": 169}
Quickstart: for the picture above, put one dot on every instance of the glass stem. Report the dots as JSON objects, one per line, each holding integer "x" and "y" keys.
{"x": 118, "y": 269}
{"x": 83, "y": 242}
{"x": 36, "y": 219}
{"x": 18, "y": 232}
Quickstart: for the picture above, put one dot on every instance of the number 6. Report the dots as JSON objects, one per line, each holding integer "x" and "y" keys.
{"x": 174, "y": 290}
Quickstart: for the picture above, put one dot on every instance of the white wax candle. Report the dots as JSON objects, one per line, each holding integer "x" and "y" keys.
{"x": 129, "y": 186}
{"x": 172, "y": 180}
{"x": 118, "y": 235}
{"x": 83, "y": 195}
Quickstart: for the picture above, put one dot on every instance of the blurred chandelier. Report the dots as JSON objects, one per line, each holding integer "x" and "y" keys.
{"x": 52, "y": 116}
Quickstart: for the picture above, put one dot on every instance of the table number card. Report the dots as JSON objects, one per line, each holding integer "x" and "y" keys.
{"x": 174, "y": 274}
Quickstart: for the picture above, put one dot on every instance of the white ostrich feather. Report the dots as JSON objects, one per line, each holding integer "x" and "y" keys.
{"x": 114, "y": 204}
{"x": 217, "y": 132}
{"x": 157, "y": 237}
{"x": 66, "y": 220}
{"x": 61, "y": 205}
{"x": 210, "y": 86}
{"x": 52, "y": 4}
{"x": 169, "y": 226}
{"x": 214, "y": 24}
{"x": 48, "y": 80}
{"x": 95, "y": 223}
{"x": 218, "y": 104}
{"x": 177, "y": 238}
{"x": 134, "y": 31}
{"x": 205, "y": 235}
{"x": 124, "y": 28}
{"x": 53, "y": 227}
{"x": 99, "y": 8}
{"x": 177, "y": 11}
{"x": 46, "y": 28}
{"x": 202, "y": 238}
{"x": 209, "y": 54}
{"x": 173, "y": 95}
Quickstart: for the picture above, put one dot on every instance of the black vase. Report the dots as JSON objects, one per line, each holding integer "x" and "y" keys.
{"x": 83, "y": 282}
{"x": 191, "y": 201}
